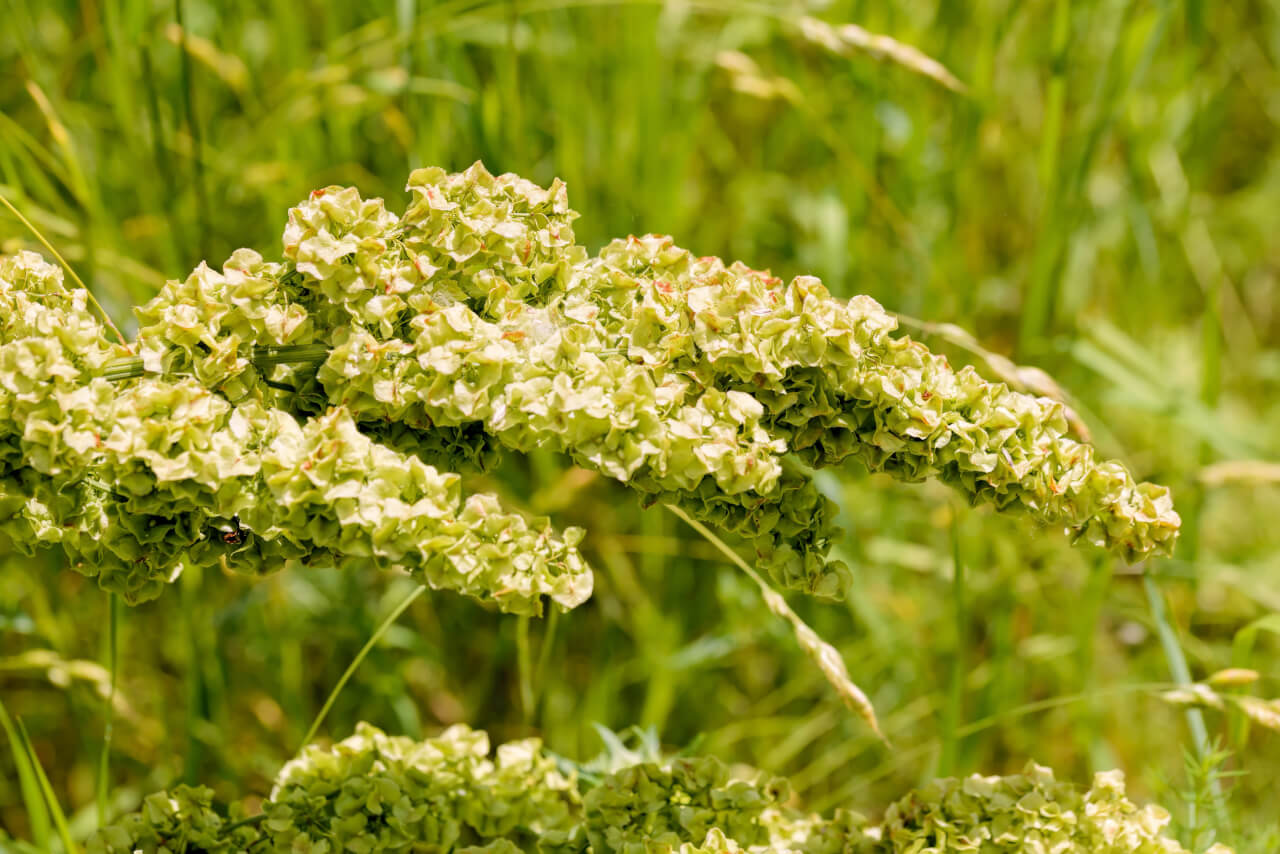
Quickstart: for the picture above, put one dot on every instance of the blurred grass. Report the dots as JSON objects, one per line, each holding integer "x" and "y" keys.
{"x": 1101, "y": 202}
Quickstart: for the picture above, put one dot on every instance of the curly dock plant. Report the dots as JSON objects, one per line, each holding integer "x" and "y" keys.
{"x": 376, "y": 793}
{"x": 320, "y": 409}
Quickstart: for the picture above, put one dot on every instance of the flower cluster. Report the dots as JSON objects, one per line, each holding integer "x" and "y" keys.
{"x": 176, "y": 822}
{"x": 137, "y": 479}
{"x": 377, "y": 793}
{"x": 372, "y": 793}
{"x": 319, "y": 408}
{"x": 1028, "y": 811}
{"x": 654, "y": 804}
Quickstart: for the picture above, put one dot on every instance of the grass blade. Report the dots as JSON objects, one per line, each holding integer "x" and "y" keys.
{"x": 822, "y": 653}
{"x": 37, "y": 812}
{"x": 360, "y": 656}
{"x": 203, "y": 220}
{"x": 955, "y": 694}
{"x": 113, "y": 665}
{"x": 50, "y": 798}
{"x": 524, "y": 664}
{"x": 1182, "y": 677}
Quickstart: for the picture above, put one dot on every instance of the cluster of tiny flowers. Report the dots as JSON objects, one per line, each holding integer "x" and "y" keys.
{"x": 319, "y": 408}
{"x": 376, "y": 793}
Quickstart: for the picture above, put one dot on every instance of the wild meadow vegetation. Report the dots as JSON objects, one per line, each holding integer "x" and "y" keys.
{"x": 720, "y": 558}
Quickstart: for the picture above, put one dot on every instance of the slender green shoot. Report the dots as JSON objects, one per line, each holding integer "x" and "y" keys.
{"x": 524, "y": 666}
{"x": 50, "y": 797}
{"x": 1182, "y": 676}
{"x": 203, "y": 218}
{"x": 360, "y": 656}
{"x": 113, "y": 666}
{"x": 545, "y": 650}
{"x": 32, "y": 799}
{"x": 106, "y": 318}
{"x": 955, "y": 695}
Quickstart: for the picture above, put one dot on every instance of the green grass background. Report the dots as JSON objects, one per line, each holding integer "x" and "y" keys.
{"x": 1102, "y": 202}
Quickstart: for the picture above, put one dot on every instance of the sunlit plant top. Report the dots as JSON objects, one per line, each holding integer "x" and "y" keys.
{"x": 374, "y": 793}
{"x": 322, "y": 408}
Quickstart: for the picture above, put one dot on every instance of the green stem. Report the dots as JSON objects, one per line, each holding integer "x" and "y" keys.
{"x": 524, "y": 665}
{"x": 1182, "y": 677}
{"x": 1178, "y": 668}
{"x": 955, "y": 696}
{"x": 544, "y": 651}
{"x": 203, "y": 219}
{"x": 263, "y": 358}
{"x": 360, "y": 656}
{"x": 113, "y": 665}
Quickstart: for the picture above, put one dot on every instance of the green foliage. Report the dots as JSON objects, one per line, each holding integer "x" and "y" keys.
{"x": 374, "y": 793}
{"x": 175, "y": 822}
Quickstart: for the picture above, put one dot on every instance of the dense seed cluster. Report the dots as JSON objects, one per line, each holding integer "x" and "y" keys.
{"x": 318, "y": 408}
{"x": 651, "y": 804}
{"x": 1030, "y": 811}
{"x": 376, "y": 793}
{"x": 193, "y": 466}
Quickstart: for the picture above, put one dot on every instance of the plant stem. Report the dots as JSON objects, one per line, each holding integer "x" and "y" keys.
{"x": 1182, "y": 677}
{"x": 263, "y": 357}
{"x": 524, "y": 665}
{"x": 955, "y": 696}
{"x": 360, "y": 656}
{"x": 203, "y": 219}
{"x": 544, "y": 651}
{"x": 113, "y": 665}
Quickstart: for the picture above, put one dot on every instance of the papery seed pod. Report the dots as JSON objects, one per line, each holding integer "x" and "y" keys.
{"x": 835, "y": 383}
{"x": 176, "y": 821}
{"x": 136, "y": 477}
{"x": 1003, "y": 813}
{"x": 652, "y": 804}
{"x": 475, "y": 323}
{"x": 376, "y": 793}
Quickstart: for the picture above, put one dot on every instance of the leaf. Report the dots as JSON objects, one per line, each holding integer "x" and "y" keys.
{"x": 50, "y": 797}
{"x": 1242, "y": 644}
{"x": 37, "y": 812}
